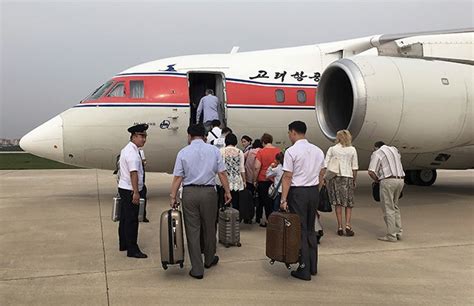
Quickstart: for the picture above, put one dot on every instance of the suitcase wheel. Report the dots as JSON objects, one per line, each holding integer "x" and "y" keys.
{"x": 181, "y": 265}
{"x": 239, "y": 244}
{"x": 165, "y": 266}
{"x": 288, "y": 266}
{"x": 272, "y": 261}
{"x": 227, "y": 245}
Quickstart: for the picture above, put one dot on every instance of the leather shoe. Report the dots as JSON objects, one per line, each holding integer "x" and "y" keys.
{"x": 138, "y": 255}
{"x": 213, "y": 263}
{"x": 146, "y": 220}
{"x": 196, "y": 276}
{"x": 300, "y": 275}
{"x": 122, "y": 249}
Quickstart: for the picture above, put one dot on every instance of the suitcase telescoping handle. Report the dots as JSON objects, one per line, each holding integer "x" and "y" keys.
{"x": 175, "y": 205}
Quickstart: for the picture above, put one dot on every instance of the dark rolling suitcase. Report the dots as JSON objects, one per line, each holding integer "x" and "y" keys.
{"x": 283, "y": 241}
{"x": 229, "y": 227}
{"x": 171, "y": 238}
{"x": 246, "y": 205}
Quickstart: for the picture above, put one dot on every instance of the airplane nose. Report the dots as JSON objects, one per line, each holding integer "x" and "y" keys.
{"x": 46, "y": 140}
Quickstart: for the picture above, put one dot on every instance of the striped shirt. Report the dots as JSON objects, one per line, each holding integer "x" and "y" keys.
{"x": 386, "y": 162}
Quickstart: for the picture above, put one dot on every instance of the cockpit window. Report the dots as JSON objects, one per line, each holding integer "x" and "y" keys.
{"x": 100, "y": 91}
{"x": 118, "y": 90}
{"x": 137, "y": 89}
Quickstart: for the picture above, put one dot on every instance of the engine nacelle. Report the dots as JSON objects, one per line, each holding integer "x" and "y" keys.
{"x": 414, "y": 104}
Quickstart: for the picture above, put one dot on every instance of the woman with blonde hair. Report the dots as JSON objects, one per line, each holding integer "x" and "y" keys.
{"x": 340, "y": 172}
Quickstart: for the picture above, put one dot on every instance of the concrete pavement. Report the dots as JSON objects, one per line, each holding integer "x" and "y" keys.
{"x": 59, "y": 247}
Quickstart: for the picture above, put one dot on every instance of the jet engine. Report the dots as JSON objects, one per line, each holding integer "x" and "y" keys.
{"x": 417, "y": 105}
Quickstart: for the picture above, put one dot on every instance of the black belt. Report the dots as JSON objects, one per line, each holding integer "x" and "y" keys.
{"x": 202, "y": 186}
{"x": 395, "y": 177}
{"x": 298, "y": 187}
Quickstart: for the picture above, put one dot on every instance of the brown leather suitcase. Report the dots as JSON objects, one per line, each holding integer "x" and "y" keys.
{"x": 171, "y": 238}
{"x": 283, "y": 238}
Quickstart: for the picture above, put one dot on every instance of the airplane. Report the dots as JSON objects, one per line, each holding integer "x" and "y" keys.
{"x": 413, "y": 91}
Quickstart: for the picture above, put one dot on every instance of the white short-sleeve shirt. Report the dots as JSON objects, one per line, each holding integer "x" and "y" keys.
{"x": 305, "y": 161}
{"x": 130, "y": 160}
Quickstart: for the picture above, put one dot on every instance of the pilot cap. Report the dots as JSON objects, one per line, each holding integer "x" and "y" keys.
{"x": 139, "y": 128}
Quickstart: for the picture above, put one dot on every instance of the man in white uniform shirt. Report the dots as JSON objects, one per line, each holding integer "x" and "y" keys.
{"x": 302, "y": 166}
{"x": 386, "y": 167}
{"x": 130, "y": 187}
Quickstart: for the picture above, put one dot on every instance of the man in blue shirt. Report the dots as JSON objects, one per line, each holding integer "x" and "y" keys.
{"x": 196, "y": 167}
{"x": 209, "y": 104}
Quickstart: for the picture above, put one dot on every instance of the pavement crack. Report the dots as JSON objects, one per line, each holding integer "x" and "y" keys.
{"x": 102, "y": 237}
{"x": 49, "y": 276}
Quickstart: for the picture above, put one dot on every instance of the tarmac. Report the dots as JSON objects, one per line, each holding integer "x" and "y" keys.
{"x": 59, "y": 247}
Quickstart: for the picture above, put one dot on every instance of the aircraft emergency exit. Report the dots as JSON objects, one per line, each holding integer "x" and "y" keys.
{"x": 413, "y": 91}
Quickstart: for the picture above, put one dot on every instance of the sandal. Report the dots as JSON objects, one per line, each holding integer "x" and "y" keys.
{"x": 349, "y": 231}
{"x": 340, "y": 232}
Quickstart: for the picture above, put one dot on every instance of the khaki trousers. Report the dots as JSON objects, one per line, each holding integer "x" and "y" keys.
{"x": 390, "y": 190}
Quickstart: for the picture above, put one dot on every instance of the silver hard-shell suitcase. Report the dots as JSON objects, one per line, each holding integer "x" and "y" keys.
{"x": 171, "y": 238}
{"x": 141, "y": 210}
{"x": 229, "y": 227}
{"x": 116, "y": 208}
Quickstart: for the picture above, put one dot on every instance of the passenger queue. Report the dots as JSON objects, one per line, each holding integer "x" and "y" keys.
{"x": 219, "y": 182}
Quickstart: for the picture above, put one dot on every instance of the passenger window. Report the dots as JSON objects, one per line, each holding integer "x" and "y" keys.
{"x": 117, "y": 91}
{"x": 301, "y": 96}
{"x": 280, "y": 95}
{"x": 137, "y": 89}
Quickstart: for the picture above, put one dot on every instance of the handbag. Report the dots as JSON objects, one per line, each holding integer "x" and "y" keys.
{"x": 273, "y": 191}
{"x": 324, "y": 203}
{"x": 333, "y": 169}
{"x": 376, "y": 192}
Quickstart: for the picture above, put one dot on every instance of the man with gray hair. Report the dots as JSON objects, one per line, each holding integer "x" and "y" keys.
{"x": 209, "y": 105}
{"x": 386, "y": 168}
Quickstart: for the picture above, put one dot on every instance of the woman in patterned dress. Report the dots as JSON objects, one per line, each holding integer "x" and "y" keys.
{"x": 341, "y": 187}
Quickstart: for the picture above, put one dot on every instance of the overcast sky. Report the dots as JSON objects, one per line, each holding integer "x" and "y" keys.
{"x": 55, "y": 53}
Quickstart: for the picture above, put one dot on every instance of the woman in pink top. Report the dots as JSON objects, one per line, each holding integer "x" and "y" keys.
{"x": 250, "y": 157}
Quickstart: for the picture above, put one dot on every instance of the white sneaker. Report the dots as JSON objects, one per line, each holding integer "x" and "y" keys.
{"x": 386, "y": 239}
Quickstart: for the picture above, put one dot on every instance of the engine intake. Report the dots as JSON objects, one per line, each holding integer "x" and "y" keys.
{"x": 416, "y": 105}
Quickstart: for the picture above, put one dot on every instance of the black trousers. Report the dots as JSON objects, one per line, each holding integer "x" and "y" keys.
{"x": 128, "y": 225}
{"x": 304, "y": 202}
{"x": 264, "y": 200}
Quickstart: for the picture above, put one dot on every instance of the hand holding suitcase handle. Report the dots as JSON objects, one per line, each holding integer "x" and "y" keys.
{"x": 175, "y": 205}
{"x": 284, "y": 206}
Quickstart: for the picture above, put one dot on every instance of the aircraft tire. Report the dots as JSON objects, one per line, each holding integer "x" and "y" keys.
{"x": 425, "y": 177}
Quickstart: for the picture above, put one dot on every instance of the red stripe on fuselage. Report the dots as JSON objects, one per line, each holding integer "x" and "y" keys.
{"x": 174, "y": 90}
